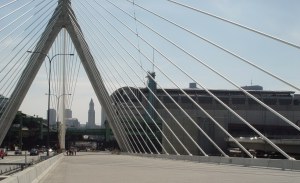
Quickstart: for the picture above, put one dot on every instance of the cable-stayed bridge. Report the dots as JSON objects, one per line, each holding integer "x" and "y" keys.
{"x": 140, "y": 58}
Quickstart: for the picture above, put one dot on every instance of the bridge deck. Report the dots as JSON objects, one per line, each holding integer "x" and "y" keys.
{"x": 100, "y": 167}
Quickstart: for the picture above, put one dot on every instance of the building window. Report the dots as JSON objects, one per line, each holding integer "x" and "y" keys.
{"x": 270, "y": 101}
{"x": 167, "y": 99}
{"x": 185, "y": 99}
{"x": 238, "y": 100}
{"x": 205, "y": 100}
{"x": 224, "y": 100}
{"x": 285, "y": 101}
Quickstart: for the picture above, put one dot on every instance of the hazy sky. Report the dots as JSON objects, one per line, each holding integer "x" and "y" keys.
{"x": 278, "y": 18}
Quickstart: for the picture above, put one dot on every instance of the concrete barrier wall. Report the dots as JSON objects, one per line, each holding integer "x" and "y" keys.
{"x": 35, "y": 172}
{"x": 283, "y": 164}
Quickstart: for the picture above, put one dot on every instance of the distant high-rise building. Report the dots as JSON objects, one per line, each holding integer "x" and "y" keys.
{"x": 91, "y": 116}
{"x": 52, "y": 117}
{"x": 103, "y": 117}
{"x": 68, "y": 113}
{"x": 72, "y": 123}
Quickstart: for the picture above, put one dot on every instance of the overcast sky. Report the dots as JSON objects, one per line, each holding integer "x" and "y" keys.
{"x": 278, "y": 18}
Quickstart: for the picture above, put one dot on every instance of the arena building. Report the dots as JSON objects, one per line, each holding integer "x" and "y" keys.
{"x": 287, "y": 103}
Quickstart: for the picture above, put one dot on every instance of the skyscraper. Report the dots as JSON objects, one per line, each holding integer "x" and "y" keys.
{"x": 52, "y": 117}
{"x": 91, "y": 116}
{"x": 103, "y": 117}
{"x": 68, "y": 113}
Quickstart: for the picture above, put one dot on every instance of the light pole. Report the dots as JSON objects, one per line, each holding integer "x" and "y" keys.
{"x": 49, "y": 89}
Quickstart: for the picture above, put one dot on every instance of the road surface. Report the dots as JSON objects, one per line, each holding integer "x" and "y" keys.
{"x": 100, "y": 167}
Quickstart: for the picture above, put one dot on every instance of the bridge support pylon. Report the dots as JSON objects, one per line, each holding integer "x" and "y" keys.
{"x": 62, "y": 18}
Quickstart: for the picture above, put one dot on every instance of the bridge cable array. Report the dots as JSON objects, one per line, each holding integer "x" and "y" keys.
{"x": 122, "y": 36}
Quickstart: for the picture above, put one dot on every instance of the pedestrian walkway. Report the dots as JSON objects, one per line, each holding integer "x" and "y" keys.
{"x": 90, "y": 167}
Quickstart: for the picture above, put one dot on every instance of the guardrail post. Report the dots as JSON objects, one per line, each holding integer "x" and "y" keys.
{"x": 25, "y": 157}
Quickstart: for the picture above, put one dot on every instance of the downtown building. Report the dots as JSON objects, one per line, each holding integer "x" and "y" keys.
{"x": 286, "y": 103}
{"x": 91, "y": 116}
{"x": 52, "y": 118}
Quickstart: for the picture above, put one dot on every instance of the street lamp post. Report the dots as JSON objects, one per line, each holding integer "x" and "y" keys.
{"x": 49, "y": 89}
